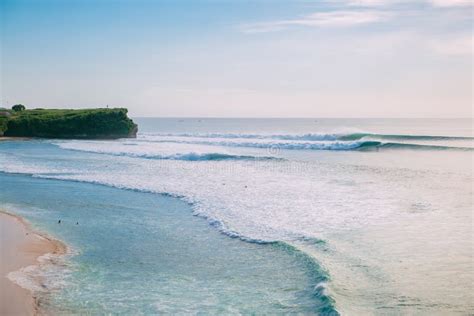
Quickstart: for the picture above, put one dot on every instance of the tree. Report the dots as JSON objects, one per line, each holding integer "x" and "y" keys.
{"x": 18, "y": 108}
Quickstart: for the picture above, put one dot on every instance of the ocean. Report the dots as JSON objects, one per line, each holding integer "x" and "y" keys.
{"x": 252, "y": 216}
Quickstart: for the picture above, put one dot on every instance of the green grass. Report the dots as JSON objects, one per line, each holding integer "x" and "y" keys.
{"x": 65, "y": 123}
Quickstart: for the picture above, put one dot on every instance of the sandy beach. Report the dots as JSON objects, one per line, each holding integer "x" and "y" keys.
{"x": 5, "y": 138}
{"x": 20, "y": 247}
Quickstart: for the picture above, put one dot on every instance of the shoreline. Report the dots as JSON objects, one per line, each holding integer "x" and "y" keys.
{"x": 22, "y": 246}
{"x": 9, "y": 138}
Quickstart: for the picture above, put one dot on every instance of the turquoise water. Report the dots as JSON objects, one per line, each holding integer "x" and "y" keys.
{"x": 264, "y": 216}
{"x": 143, "y": 253}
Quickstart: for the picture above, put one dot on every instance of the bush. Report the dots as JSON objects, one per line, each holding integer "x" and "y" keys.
{"x": 18, "y": 108}
{"x": 3, "y": 125}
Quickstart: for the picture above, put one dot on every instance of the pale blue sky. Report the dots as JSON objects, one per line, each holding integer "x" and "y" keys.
{"x": 333, "y": 58}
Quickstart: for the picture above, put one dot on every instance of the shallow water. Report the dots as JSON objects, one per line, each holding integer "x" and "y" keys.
{"x": 380, "y": 209}
{"x": 144, "y": 253}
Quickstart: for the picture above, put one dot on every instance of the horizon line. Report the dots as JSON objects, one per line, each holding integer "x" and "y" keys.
{"x": 296, "y": 117}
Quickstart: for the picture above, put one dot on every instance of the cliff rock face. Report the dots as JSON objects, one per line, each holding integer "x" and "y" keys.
{"x": 79, "y": 124}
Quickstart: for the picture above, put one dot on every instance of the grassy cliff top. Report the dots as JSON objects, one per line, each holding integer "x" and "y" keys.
{"x": 101, "y": 123}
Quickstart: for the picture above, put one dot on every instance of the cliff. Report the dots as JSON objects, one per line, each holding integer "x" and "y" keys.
{"x": 80, "y": 124}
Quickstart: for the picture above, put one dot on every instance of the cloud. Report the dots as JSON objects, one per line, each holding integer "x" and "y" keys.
{"x": 320, "y": 19}
{"x": 347, "y": 13}
{"x": 379, "y": 3}
{"x": 451, "y": 3}
{"x": 369, "y": 3}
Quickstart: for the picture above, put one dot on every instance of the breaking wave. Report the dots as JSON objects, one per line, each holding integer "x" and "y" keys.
{"x": 145, "y": 153}
{"x": 187, "y": 156}
{"x": 313, "y": 136}
{"x": 320, "y": 145}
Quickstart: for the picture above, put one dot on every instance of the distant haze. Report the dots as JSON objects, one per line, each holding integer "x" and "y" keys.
{"x": 328, "y": 58}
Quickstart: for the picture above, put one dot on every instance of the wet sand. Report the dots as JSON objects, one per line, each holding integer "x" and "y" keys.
{"x": 5, "y": 138}
{"x": 20, "y": 247}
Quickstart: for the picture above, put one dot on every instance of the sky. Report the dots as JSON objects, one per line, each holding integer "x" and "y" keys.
{"x": 229, "y": 58}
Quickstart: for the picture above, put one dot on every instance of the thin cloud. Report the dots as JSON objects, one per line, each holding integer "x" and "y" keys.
{"x": 368, "y": 3}
{"x": 320, "y": 19}
{"x": 380, "y": 3}
{"x": 375, "y": 3}
{"x": 451, "y": 3}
